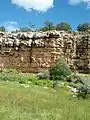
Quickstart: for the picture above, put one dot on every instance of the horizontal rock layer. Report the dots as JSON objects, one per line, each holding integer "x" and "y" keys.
{"x": 34, "y": 51}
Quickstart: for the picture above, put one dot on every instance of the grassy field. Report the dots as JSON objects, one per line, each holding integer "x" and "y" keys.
{"x": 20, "y": 102}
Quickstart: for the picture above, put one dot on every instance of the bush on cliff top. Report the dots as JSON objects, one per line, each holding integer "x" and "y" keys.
{"x": 83, "y": 27}
{"x": 60, "y": 71}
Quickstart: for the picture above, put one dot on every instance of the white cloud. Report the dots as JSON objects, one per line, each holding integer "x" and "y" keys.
{"x": 38, "y": 5}
{"x": 75, "y": 2}
{"x": 11, "y": 26}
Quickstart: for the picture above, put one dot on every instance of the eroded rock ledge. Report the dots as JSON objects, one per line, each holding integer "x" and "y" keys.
{"x": 34, "y": 51}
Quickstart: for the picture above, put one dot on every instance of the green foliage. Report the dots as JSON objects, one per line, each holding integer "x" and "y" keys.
{"x": 83, "y": 91}
{"x": 72, "y": 84}
{"x": 83, "y": 27}
{"x": 33, "y": 79}
{"x": 43, "y": 29}
{"x": 60, "y": 71}
{"x": 44, "y": 74}
{"x": 48, "y": 25}
{"x": 18, "y": 102}
{"x": 25, "y": 29}
{"x": 55, "y": 85}
{"x": 25, "y": 78}
{"x": 45, "y": 83}
{"x": 2, "y": 29}
{"x": 82, "y": 83}
{"x": 63, "y": 26}
{"x": 12, "y": 71}
{"x": 75, "y": 78}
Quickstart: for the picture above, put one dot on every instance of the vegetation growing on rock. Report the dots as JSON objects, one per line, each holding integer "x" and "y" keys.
{"x": 83, "y": 27}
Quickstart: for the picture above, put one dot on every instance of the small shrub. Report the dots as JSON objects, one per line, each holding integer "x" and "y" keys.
{"x": 44, "y": 75}
{"x": 82, "y": 91}
{"x": 60, "y": 71}
{"x": 82, "y": 84}
{"x": 72, "y": 84}
{"x": 55, "y": 85}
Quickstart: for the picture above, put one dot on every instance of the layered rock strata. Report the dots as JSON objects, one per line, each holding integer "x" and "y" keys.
{"x": 34, "y": 51}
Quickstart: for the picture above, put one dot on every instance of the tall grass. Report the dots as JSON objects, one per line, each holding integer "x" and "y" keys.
{"x": 38, "y": 103}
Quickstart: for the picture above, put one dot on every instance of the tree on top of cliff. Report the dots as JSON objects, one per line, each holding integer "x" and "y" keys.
{"x": 2, "y": 29}
{"x": 48, "y": 25}
{"x": 63, "y": 26}
{"x": 83, "y": 27}
{"x": 31, "y": 26}
{"x": 24, "y": 29}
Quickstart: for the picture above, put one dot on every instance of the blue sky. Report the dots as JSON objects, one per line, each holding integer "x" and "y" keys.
{"x": 16, "y": 13}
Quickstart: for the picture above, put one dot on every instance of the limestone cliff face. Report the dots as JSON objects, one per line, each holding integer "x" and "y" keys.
{"x": 34, "y": 51}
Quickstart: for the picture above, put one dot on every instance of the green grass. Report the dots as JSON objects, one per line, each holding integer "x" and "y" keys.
{"x": 18, "y": 102}
{"x": 23, "y": 78}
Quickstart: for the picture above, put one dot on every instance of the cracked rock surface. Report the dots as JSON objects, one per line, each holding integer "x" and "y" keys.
{"x": 34, "y": 51}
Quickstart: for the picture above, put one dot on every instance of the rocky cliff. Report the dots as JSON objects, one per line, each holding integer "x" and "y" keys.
{"x": 34, "y": 51}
